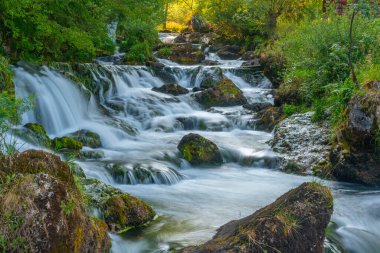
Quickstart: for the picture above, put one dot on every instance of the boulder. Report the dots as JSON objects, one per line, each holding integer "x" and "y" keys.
{"x": 273, "y": 65}
{"x": 42, "y": 210}
{"x": 35, "y": 134}
{"x": 197, "y": 150}
{"x": 225, "y": 93}
{"x": 229, "y": 52}
{"x": 172, "y": 89}
{"x": 66, "y": 143}
{"x": 193, "y": 38}
{"x": 154, "y": 65}
{"x": 268, "y": 118}
{"x": 87, "y": 138}
{"x": 294, "y": 223}
{"x": 256, "y": 107}
{"x": 210, "y": 77}
{"x": 356, "y": 152}
{"x": 198, "y": 25}
{"x": 303, "y": 145}
{"x": 120, "y": 211}
{"x": 184, "y": 54}
{"x": 250, "y": 56}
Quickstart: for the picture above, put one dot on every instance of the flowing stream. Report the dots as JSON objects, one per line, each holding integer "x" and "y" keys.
{"x": 140, "y": 130}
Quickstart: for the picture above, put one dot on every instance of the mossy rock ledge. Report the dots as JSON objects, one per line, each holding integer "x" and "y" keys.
{"x": 66, "y": 143}
{"x": 87, "y": 138}
{"x": 356, "y": 151}
{"x": 197, "y": 150}
{"x": 294, "y": 223}
{"x": 42, "y": 210}
{"x": 224, "y": 93}
{"x": 35, "y": 134}
{"x": 171, "y": 89}
{"x": 120, "y": 211}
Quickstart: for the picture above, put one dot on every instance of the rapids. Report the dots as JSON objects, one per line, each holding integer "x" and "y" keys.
{"x": 140, "y": 130}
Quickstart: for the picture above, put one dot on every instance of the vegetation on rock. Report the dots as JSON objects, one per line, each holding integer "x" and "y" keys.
{"x": 295, "y": 222}
{"x": 199, "y": 151}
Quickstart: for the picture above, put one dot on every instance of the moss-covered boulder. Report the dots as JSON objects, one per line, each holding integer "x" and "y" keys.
{"x": 197, "y": 150}
{"x": 42, "y": 209}
{"x": 171, "y": 89}
{"x": 35, "y": 134}
{"x": 356, "y": 152}
{"x": 87, "y": 138}
{"x": 225, "y": 93}
{"x": 229, "y": 52}
{"x": 295, "y": 223}
{"x": 182, "y": 53}
{"x": 66, "y": 143}
{"x": 121, "y": 211}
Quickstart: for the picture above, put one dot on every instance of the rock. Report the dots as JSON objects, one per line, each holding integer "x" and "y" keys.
{"x": 249, "y": 56}
{"x": 273, "y": 65}
{"x": 289, "y": 93}
{"x": 303, "y": 145}
{"x": 42, "y": 209}
{"x": 252, "y": 63}
{"x": 295, "y": 223}
{"x": 172, "y": 89}
{"x": 87, "y": 138}
{"x": 256, "y": 107}
{"x": 210, "y": 63}
{"x": 122, "y": 125}
{"x": 198, "y": 25}
{"x": 184, "y": 54}
{"x": 197, "y": 150}
{"x": 35, "y": 134}
{"x": 372, "y": 85}
{"x": 211, "y": 77}
{"x": 229, "y": 52}
{"x": 268, "y": 118}
{"x": 66, "y": 143}
{"x": 193, "y": 38}
{"x": 225, "y": 93}
{"x": 121, "y": 211}
{"x": 91, "y": 154}
{"x": 355, "y": 155}
{"x": 154, "y": 65}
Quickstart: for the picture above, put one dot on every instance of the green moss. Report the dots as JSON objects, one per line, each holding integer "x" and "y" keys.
{"x": 164, "y": 52}
{"x": 39, "y": 131}
{"x": 66, "y": 143}
{"x": 325, "y": 190}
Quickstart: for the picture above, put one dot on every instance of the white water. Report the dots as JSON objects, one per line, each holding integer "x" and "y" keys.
{"x": 190, "y": 202}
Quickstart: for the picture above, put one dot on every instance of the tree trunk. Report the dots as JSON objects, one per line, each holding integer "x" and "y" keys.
{"x": 166, "y": 14}
{"x": 353, "y": 74}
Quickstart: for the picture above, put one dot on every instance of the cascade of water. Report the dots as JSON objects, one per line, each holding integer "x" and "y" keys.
{"x": 140, "y": 130}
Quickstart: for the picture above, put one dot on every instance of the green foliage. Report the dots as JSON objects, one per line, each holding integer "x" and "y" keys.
{"x": 289, "y": 110}
{"x": 164, "y": 52}
{"x": 138, "y": 53}
{"x": 68, "y": 207}
{"x": 72, "y": 30}
{"x": 6, "y": 82}
{"x": 11, "y": 110}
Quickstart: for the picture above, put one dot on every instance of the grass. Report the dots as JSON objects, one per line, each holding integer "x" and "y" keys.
{"x": 291, "y": 222}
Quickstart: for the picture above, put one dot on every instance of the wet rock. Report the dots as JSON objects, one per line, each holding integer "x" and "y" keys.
{"x": 172, "y": 89}
{"x": 210, "y": 63}
{"x": 184, "y": 54}
{"x": 294, "y": 223}
{"x": 87, "y": 138}
{"x": 91, "y": 154}
{"x": 35, "y": 134}
{"x": 197, "y": 150}
{"x": 122, "y": 125}
{"x": 154, "y": 65}
{"x": 42, "y": 209}
{"x": 229, "y": 52}
{"x": 303, "y": 145}
{"x": 256, "y": 107}
{"x": 66, "y": 143}
{"x": 273, "y": 67}
{"x": 268, "y": 118}
{"x": 252, "y": 63}
{"x": 225, "y": 93}
{"x": 356, "y": 155}
{"x": 211, "y": 77}
{"x": 121, "y": 211}
{"x": 193, "y": 38}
